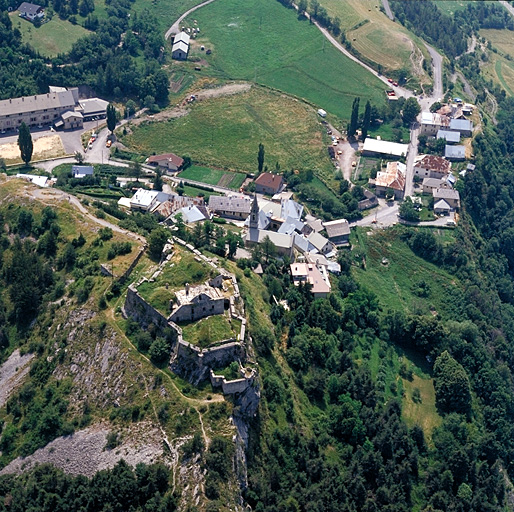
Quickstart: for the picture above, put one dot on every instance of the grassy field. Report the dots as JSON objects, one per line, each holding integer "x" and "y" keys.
{"x": 263, "y": 41}
{"x": 208, "y": 330}
{"x": 500, "y": 67}
{"x": 195, "y": 192}
{"x": 226, "y": 132}
{"x": 213, "y": 176}
{"x": 395, "y": 283}
{"x": 453, "y": 6}
{"x": 52, "y": 38}
{"x": 375, "y": 37}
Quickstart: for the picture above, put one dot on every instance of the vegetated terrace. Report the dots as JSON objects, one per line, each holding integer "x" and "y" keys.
{"x": 206, "y": 331}
{"x": 211, "y": 176}
{"x": 183, "y": 268}
{"x": 226, "y": 131}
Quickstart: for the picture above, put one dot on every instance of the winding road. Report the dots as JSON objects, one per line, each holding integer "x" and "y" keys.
{"x": 175, "y": 28}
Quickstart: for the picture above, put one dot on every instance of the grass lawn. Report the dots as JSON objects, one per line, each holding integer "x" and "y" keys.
{"x": 388, "y": 132}
{"x": 195, "y": 192}
{"x": 208, "y": 330}
{"x": 395, "y": 283}
{"x": 261, "y": 40}
{"x": 420, "y": 409}
{"x": 226, "y": 131}
{"x": 453, "y": 6}
{"x": 182, "y": 269}
{"x": 52, "y": 38}
{"x": 213, "y": 176}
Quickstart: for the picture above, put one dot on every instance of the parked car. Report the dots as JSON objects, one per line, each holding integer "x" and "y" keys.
{"x": 108, "y": 143}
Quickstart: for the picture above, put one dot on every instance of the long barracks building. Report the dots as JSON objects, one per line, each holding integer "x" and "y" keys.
{"x": 59, "y": 107}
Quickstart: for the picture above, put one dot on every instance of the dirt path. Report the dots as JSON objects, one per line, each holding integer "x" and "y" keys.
{"x": 46, "y": 194}
{"x": 175, "y": 28}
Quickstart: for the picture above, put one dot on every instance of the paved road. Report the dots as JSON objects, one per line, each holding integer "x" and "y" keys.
{"x": 387, "y": 9}
{"x": 412, "y": 153}
{"x": 175, "y": 28}
{"x": 437, "y": 65}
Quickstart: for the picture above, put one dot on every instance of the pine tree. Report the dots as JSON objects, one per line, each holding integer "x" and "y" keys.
{"x": 25, "y": 143}
{"x": 366, "y": 121}
{"x": 260, "y": 157}
{"x": 111, "y": 117}
{"x": 352, "y": 128}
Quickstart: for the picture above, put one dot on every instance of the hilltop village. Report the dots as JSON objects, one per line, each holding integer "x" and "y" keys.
{"x": 256, "y": 256}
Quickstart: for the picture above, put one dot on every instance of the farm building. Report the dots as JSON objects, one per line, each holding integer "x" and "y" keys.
{"x": 269, "y": 184}
{"x": 431, "y": 166}
{"x": 192, "y": 214}
{"x": 374, "y": 147}
{"x": 455, "y": 152}
{"x": 31, "y": 11}
{"x": 168, "y": 161}
{"x": 93, "y": 108}
{"x": 146, "y": 200}
{"x": 392, "y": 178}
{"x": 180, "y": 47}
{"x": 338, "y": 231}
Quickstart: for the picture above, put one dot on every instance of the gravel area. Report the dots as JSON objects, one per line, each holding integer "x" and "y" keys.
{"x": 12, "y": 374}
{"x": 84, "y": 453}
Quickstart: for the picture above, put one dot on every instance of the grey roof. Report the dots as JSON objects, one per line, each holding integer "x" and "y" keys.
{"x": 470, "y": 167}
{"x": 446, "y": 193}
{"x": 458, "y": 152}
{"x": 71, "y": 113}
{"x": 287, "y": 228}
{"x": 448, "y": 136}
{"x": 263, "y": 220}
{"x": 461, "y": 125}
{"x": 29, "y": 8}
{"x": 432, "y": 182}
{"x": 442, "y": 205}
{"x": 26, "y": 104}
{"x": 301, "y": 243}
{"x": 318, "y": 241}
{"x": 281, "y": 240}
{"x": 336, "y": 228}
{"x": 93, "y": 106}
{"x": 235, "y": 203}
{"x": 82, "y": 169}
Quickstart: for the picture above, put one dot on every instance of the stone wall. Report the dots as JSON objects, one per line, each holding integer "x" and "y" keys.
{"x": 137, "y": 308}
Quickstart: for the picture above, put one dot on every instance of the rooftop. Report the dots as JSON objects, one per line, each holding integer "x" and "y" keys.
{"x": 93, "y": 106}
{"x": 448, "y": 136}
{"x": 234, "y": 203}
{"x": 433, "y": 163}
{"x": 267, "y": 179}
{"x": 393, "y": 177}
{"x": 181, "y": 36}
{"x": 461, "y": 125}
{"x": 446, "y": 193}
{"x": 385, "y": 147}
{"x": 458, "y": 152}
{"x": 143, "y": 198}
{"x": 337, "y": 228}
{"x": 180, "y": 45}
{"x": 167, "y": 157}
{"x": 310, "y": 273}
{"x": 26, "y": 104}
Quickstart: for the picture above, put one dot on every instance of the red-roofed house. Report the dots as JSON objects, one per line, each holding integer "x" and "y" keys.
{"x": 168, "y": 162}
{"x": 269, "y": 184}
